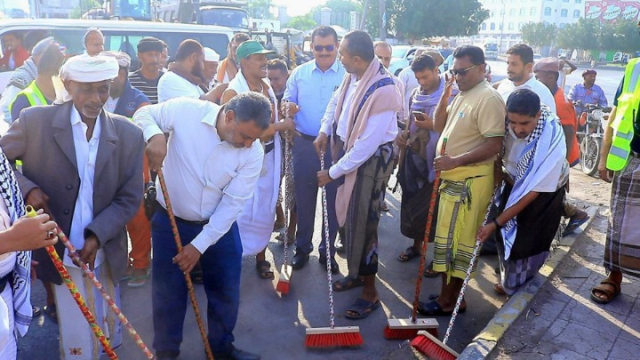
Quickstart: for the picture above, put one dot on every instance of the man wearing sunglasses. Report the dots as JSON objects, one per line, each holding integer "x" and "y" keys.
{"x": 472, "y": 132}
{"x": 309, "y": 89}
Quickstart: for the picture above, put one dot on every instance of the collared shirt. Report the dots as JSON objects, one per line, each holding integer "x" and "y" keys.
{"x": 172, "y": 85}
{"x": 311, "y": 89}
{"x": 594, "y": 95}
{"x": 408, "y": 79}
{"x": 207, "y": 178}
{"x": 380, "y": 129}
{"x": 111, "y": 103}
{"x": 507, "y": 87}
{"x": 148, "y": 87}
{"x": 86, "y": 153}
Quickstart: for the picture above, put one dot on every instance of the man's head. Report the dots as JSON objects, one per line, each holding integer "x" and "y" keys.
{"x": 87, "y": 80}
{"x": 436, "y": 56}
{"x": 11, "y": 41}
{"x": 40, "y": 48}
{"x": 278, "y": 73}
{"x": 383, "y": 52}
{"x": 589, "y": 77}
{"x": 50, "y": 59}
{"x": 546, "y": 71}
{"x": 468, "y": 66}
{"x": 523, "y": 112}
{"x": 150, "y": 54}
{"x": 253, "y": 59}
{"x": 191, "y": 57}
{"x": 93, "y": 41}
{"x": 246, "y": 117}
{"x": 519, "y": 62}
{"x": 426, "y": 72}
{"x": 164, "y": 56}
{"x": 356, "y": 52}
{"x": 211, "y": 60}
{"x": 236, "y": 41}
{"x": 124, "y": 62}
{"x": 324, "y": 43}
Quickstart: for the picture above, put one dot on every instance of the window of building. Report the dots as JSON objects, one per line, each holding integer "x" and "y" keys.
{"x": 547, "y": 11}
{"x": 578, "y": 1}
{"x": 510, "y": 26}
{"x": 564, "y": 13}
{"x": 523, "y": 11}
{"x": 512, "y": 12}
{"x": 533, "y": 11}
{"x": 576, "y": 14}
{"x": 492, "y": 26}
{"x": 501, "y": 12}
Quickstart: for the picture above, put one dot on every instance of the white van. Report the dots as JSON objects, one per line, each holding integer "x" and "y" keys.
{"x": 120, "y": 35}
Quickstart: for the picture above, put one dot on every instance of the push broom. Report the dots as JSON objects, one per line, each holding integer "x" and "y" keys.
{"x": 402, "y": 329}
{"x": 331, "y": 336}
{"x": 286, "y": 270}
{"x": 429, "y": 344}
{"x": 66, "y": 278}
{"x": 187, "y": 276}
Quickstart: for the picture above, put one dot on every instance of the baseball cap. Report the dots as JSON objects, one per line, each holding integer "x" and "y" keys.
{"x": 249, "y": 48}
{"x": 211, "y": 55}
{"x": 589, "y": 72}
{"x": 546, "y": 64}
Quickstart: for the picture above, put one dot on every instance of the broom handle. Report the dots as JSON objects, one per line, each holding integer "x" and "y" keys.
{"x": 425, "y": 241}
{"x": 75, "y": 294}
{"x": 288, "y": 188}
{"x": 325, "y": 223}
{"x": 112, "y": 304}
{"x": 472, "y": 262}
{"x": 187, "y": 276}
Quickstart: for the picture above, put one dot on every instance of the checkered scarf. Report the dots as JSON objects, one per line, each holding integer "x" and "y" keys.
{"x": 21, "y": 282}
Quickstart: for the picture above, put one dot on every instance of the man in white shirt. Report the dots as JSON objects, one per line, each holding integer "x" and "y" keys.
{"x": 519, "y": 71}
{"x": 368, "y": 100}
{"x": 408, "y": 79}
{"x": 185, "y": 74}
{"x": 211, "y": 168}
{"x": 90, "y": 181}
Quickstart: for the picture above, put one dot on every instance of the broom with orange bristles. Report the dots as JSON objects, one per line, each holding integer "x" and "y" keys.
{"x": 286, "y": 270}
{"x": 402, "y": 329}
{"x": 429, "y": 344}
{"x": 331, "y": 336}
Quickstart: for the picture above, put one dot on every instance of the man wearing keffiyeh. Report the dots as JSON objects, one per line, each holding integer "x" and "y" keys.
{"x": 530, "y": 201}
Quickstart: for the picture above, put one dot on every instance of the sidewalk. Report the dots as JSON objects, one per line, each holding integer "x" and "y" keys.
{"x": 563, "y": 323}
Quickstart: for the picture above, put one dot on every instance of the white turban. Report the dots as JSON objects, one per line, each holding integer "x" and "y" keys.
{"x": 88, "y": 69}
{"x": 124, "y": 60}
{"x": 211, "y": 55}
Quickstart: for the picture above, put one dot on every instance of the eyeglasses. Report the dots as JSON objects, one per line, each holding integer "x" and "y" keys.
{"x": 329, "y": 48}
{"x": 461, "y": 72}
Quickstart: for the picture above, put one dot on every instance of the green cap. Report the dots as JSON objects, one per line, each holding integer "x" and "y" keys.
{"x": 250, "y": 47}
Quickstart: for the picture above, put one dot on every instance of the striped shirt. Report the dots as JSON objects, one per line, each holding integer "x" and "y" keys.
{"x": 148, "y": 87}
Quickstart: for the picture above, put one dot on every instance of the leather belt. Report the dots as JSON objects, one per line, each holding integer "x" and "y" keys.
{"x": 308, "y": 137}
{"x": 161, "y": 209}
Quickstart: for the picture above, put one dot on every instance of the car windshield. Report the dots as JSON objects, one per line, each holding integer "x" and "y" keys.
{"x": 399, "y": 52}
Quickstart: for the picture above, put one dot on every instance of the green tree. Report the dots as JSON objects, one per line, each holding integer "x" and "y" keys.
{"x": 82, "y": 7}
{"x": 304, "y": 22}
{"x": 581, "y": 35}
{"x": 538, "y": 34}
{"x": 341, "y": 11}
{"x": 626, "y": 33}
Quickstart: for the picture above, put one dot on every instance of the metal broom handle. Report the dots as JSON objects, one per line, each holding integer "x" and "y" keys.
{"x": 325, "y": 223}
{"x": 287, "y": 188}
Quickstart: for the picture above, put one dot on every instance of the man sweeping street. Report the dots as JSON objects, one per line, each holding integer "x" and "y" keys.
{"x": 530, "y": 202}
{"x": 211, "y": 168}
{"x": 366, "y": 126}
{"x": 474, "y": 128}
{"x": 83, "y": 166}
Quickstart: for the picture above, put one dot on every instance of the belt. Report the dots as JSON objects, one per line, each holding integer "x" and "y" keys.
{"x": 269, "y": 147}
{"x": 162, "y": 210}
{"x": 308, "y": 137}
{"x": 4, "y": 281}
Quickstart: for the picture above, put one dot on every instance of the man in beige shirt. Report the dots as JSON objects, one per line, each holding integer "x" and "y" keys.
{"x": 472, "y": 130}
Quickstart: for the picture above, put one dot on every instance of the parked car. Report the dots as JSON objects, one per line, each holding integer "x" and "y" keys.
{"x": 620, "y": 58}
{"x": 401, "y": 57}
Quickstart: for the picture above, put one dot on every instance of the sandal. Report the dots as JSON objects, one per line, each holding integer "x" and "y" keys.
{"x": 428, "y": 272}
{"x": 35, "y": 312}
{"x": 432, "y": 308}
{"x": 263, "y": 268}
{"x": 408, "y": 254}
{"x": 605, "y": 289}
{"x": 140, "y": 277}
{"x": 347, "y": 283}
{"x": 574, "y": 224}
{"x": 361, "y": 309}
{"x": 499, "y": 289}
{"x": 51, "y": 312}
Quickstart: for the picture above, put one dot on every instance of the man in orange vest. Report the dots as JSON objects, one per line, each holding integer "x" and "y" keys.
{"x": 546, "y": 71}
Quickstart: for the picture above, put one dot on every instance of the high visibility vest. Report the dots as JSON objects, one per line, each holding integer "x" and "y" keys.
{"x": 626, "y": 111}
{"x": 33, "y": 95}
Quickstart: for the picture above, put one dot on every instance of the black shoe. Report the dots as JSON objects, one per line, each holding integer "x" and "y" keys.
{"x": 334, "y": 264}
{"x": 236, "y": 354}
{"x": 167, "y": 355}
{"x": 299, "y": 260}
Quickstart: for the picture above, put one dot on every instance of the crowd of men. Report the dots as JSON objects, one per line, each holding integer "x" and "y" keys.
{"x": 215, "y": 131}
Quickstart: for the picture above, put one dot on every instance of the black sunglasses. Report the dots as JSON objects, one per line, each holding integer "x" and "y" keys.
{"x": 329, "y": 48}
{"x": 461, "y": 72}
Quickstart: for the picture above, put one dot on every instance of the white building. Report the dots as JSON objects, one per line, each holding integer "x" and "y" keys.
{"x": 507, "y": 17}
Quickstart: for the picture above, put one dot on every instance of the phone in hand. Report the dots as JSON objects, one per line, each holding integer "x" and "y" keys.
{"x": 419, "y": 115}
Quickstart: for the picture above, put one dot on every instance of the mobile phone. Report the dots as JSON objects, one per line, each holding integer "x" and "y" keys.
{"x": 419, "y": 115}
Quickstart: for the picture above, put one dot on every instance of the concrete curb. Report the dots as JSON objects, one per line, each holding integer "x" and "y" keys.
{"x": 484, "y": 343}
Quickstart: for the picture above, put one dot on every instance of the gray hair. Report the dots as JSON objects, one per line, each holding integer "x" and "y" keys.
{"x": 89, "y": 32}
{"x": 251, "y": 106}
{"x": 382, "y": 43}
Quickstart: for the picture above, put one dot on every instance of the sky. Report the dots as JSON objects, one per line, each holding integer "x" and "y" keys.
{"x": 299, "y": 7}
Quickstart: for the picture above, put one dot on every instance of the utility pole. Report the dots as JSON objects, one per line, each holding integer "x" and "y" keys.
{"x": 383, "y": 22}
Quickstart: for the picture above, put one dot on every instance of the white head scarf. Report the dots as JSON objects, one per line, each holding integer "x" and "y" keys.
{"x": 124, "y": 60}
{"x": 85, "y": 69}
